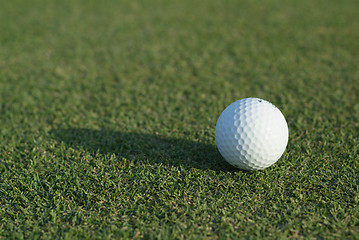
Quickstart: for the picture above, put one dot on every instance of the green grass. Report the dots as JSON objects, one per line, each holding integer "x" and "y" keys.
{"x": 108, "y": 111}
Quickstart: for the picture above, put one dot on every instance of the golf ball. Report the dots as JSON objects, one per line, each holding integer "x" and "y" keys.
{"x": 251, "y": 134}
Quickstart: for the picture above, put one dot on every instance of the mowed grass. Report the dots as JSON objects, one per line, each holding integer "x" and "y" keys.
{"x": 108, "y": 112}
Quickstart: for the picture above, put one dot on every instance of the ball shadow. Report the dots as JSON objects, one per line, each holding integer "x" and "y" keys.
{"x": 144, "y": 148}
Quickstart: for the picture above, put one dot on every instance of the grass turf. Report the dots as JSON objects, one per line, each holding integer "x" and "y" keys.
{"x": 108, "y": 111}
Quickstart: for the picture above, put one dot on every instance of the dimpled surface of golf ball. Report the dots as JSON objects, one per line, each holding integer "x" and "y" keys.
{"x": 251, "y": 134}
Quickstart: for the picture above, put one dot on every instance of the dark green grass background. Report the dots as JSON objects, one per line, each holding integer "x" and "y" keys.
{"x": 108, "y": 111}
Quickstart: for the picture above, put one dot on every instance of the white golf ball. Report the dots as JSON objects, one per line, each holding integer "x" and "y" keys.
{"x": 251, "y": 134}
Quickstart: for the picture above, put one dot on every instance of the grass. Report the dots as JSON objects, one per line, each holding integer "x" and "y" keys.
{"x": 108, "y": 111}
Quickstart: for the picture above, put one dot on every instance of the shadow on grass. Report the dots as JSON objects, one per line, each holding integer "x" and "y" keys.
{"x": 144, "y": 148}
